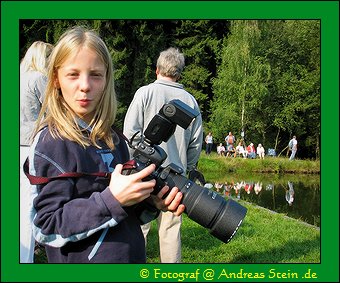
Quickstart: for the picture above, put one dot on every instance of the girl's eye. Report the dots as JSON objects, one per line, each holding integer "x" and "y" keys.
{"x": 97, "y": 74}
{"x": 73, "y": 74}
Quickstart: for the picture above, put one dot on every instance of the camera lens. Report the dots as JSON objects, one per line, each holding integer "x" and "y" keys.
{"x": 209, "y": 209}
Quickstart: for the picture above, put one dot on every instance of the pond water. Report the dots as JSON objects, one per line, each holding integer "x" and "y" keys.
{"x": 296, "y": 196}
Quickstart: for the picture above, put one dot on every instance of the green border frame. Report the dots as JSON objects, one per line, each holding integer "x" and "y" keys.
{"x": 11, "y": 12}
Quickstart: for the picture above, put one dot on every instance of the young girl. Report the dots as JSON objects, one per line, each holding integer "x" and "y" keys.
{"x": 89, "y": 219}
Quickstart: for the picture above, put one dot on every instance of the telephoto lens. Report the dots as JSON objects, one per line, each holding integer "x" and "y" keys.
{"x": 206, "y": 207}
{"x": 209, "y": 209}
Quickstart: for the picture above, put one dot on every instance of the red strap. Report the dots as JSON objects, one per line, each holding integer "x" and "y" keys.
{"x": 36, "y": 180}
{"x": 131, "y": 164}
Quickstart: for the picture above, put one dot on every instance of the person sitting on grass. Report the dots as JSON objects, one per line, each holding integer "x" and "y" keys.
{"x": 251, "y": 151}
{"x": 221, "y": 150}
{"x": 231, "y": 150}
{"x": 260, "y": 151}
{"x": 240, "y": 150}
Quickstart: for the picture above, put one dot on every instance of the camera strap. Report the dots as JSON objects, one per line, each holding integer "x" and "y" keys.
{"x": 39, "y": 180}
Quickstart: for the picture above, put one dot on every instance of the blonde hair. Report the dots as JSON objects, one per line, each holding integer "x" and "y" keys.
{"x": 36, "y": 57}
{"x": 57, "y": 115}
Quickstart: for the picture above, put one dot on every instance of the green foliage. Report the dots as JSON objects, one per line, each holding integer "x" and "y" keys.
{"x": 241, "y": 85}
{"x": 293, "y": 50}
{"x": 200, "y": 41}
{"x": 259, "y": 75}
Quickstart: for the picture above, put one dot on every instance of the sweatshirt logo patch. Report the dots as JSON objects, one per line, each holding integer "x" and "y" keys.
{"x": 107, "y": 158}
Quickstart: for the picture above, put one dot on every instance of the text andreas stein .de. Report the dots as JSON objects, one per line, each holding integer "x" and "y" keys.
{"x": 209, "y": 274}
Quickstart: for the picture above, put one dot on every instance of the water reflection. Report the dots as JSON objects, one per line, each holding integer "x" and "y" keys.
{"x": 290, "y": 193}
{"x": 293, "y": 198}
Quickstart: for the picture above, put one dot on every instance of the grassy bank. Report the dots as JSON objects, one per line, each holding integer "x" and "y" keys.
{"x": 214, "y": 166}
{"x": 264, "y": 237}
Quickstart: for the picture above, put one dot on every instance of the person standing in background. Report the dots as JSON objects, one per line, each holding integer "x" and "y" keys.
{"x": 183, "y": 148}
{"x": 293, "y": 147}
{"x": 209, "y": 143}
{"x": 33, "y": 80}
{"x": 230, "y": 139}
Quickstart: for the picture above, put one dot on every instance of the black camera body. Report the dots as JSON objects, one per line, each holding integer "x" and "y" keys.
{"x": 204, "y": 206}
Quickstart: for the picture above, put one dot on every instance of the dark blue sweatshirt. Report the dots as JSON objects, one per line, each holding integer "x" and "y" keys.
{"x": 78, "y": 219}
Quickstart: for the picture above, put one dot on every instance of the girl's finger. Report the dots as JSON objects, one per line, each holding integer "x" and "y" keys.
{"x": 145, "y": 172}
{"x": 163, "y": 191}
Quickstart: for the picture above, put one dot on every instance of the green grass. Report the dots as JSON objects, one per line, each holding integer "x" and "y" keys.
{"x": 214, "y": 165}
{"x": 264, "y": 237}
{"x": 220, "y": 169}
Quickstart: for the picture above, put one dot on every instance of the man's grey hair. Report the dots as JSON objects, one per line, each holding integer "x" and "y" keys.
{"x": 170, "y": 63}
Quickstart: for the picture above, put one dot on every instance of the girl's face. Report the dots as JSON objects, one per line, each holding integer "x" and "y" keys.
{"x": 82, "y": 80}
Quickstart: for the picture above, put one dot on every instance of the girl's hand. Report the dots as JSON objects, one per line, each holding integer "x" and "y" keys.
{"x": 172, "y": 202}
{"x": 130, "y": 189}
